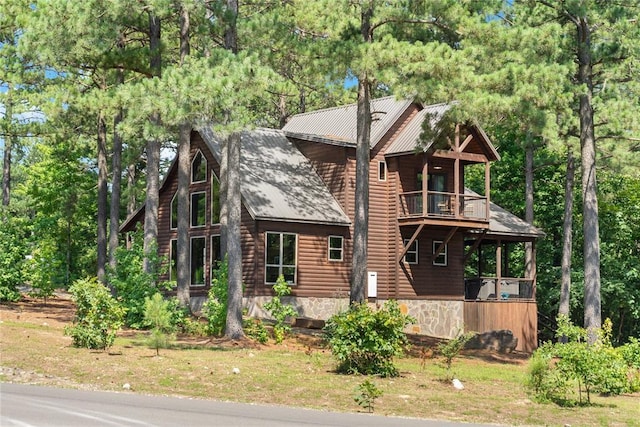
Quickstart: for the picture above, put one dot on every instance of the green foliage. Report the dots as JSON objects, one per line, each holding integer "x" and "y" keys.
{"x": 12, "y": 254}
{"x": 557, "y": 368}
{"x": 132, "y": 284}
{"x": 182, "y": 320}
{"x": 366, "y": 395}
{"x": 157, "y": 315}
{"x": 280, "y": 311}
{"x": 255, "y": 329}
{"x": 365, "y": 341}
{"x": 450, "y": 349}
{"x": 98, "y": 315}
{"x": 215, "y": 308}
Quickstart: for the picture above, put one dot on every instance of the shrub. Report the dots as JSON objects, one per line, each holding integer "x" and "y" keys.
{"x": 98, "y": 316}
{"x": 12, "y": 254}
{"x": 450, "y": 349}
{"x": 366, "y": 395}
{"x": 365, "y": 341}
{"x": 157, "y": 315}
{"x": 280, "y": 311}
{"x": 215, "y": 308}
{"x": 132, "y": 284}
{"x": 255, "y": 329}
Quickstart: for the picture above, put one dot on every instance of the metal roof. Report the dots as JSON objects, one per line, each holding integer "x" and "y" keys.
{"x": 278, "y": 182}
{"x": 409, "y": 138}
{"x": 337, "y": 125}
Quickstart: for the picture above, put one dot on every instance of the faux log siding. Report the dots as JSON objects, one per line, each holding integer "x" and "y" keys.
{"x": 316, "y": 275}
{"x": 521, "y": 317}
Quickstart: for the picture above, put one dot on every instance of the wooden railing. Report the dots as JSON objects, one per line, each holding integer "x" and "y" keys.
{"x": 443, "y": 205}
{"x": 490, "y": 289}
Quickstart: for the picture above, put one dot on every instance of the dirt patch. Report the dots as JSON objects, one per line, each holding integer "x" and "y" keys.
{"x": 58, "y": 310}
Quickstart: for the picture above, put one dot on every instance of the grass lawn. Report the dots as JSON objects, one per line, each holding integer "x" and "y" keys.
{"x": 300, "y": 372}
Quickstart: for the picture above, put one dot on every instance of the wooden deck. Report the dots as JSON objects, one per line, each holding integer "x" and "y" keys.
{"x": 442, "y": 205}
{"x": 519, "y": 316}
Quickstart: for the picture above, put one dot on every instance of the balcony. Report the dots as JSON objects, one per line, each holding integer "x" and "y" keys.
{"x": 441, "y": 205}
{"x": 507, "y": 289}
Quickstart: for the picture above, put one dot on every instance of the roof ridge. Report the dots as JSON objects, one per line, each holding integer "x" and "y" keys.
{"x": 337, "y": 107}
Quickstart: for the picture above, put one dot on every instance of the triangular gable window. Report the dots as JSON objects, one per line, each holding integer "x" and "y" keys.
{"x": 198, "y": 168}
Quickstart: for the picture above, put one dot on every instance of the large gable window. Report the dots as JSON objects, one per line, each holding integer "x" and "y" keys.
{"x": 198, "y": 209}
{"x": 411, "y": 256}
{"x": 281, "y": 257}
{"x": 174, "y": 211}
{"x": 198, "y": 168}
{"x": 198, "y": 248}
{"x": 215, "y": 199}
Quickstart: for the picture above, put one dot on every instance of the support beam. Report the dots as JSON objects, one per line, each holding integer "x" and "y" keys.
{"x": 487, "y": 189}
{"x": 498, "y": 267}
{"x": 408, "y": 245}
{"x": 471, "y": 157}
{"x": 445, "y": 242}
{"x": 466, "y": 142}
{"x": 425, "y": 185}
{"x": 475, "y": 246}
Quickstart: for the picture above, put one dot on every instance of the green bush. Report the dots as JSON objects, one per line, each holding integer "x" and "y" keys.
{"x": 215, "y": 308}
{"x": 157, "y": 315}
{"x": 280, "y": 311}
{"x": 132, "y": 284}
{"x": 365, "y": 341}
{"x": 597, "y": 367}
{"x": 255, "y": 329}
{"x": 12, "y": 255}
{"x": 98, "y": 316}
{"x": 366, "y": 395}
{"x": 450, "y": 349}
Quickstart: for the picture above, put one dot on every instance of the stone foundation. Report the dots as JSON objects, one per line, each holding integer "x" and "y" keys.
{"x": 441, "y": 319}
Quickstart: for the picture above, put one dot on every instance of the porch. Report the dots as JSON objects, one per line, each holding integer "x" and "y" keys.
{"x": 441, "y": 205}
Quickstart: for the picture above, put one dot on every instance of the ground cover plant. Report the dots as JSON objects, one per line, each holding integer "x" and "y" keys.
{"x": 299, "y": 372}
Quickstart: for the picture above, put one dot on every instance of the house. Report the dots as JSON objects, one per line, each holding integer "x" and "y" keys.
{"x": 449, "y": 255}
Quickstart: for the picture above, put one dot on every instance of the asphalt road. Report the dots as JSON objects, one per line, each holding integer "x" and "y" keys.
{"x": 24, "y": 405}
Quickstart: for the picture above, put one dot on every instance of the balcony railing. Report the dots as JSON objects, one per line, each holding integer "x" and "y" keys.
{"x": 443, "y": 205}
{"x": 509, "y": 288}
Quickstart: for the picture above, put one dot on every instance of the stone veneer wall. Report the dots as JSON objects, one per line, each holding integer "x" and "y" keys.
{"x": 437, "y": 318}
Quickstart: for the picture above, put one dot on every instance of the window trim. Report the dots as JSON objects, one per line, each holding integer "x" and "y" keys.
{"x": 211, "y": 260}
{"x": 329, "y": 248}
{"x": 204, "y": 262}
{"x": 443, "y": 254}
{"x": 382, "y": 170}
{"x": 410, "y": 251}
{"x": 171, "y": 260}
{"x": 280, "y": 265}
{"x": 214, "y": 177}
{"x": 191, "y": 207}
{"x": 204, "y": 159}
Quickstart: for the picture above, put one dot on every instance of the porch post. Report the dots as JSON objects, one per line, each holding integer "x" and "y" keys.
{"x": 425, "y": 184}
{"x": 498, "y": 267}
{"x": 534, "y": 269}
{"x": 487, "y": 187}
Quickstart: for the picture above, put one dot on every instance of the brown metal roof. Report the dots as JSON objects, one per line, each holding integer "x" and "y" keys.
{"x": 337, "y": 125}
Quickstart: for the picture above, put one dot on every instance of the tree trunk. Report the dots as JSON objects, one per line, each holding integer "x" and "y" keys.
{"x": 567, "y": 236}
{"x": 116, "y": 186}
{"x": 153, "y": 156}
{"x": 363, "y": 137}
{"x": 131, "y": 189}
{"x": 102, "y": 198}
{"x": 592, "y": 304}
{"x": 233, "y": 329}
{"x": 8, "y": 146}
{"x": 184, "y": 168}
{"x": 528, "y": 208}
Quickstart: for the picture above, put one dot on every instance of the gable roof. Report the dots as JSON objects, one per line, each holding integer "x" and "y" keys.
{"x": 337, "y": 125}
{"x": 277, "y": 182}
{"x": 409, "y": 138}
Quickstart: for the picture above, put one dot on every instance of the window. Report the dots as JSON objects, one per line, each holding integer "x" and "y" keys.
{"x": 411, "y": 256}
{"x": 198, "y": 168}
{"x": 216, "y": 253}
{"x": 215, "y": 199}
{"x": 382, "y": 171}
{"x": 173, "y": 256}
{"x": 174, "y": 211}
{"x": 198, "y": 209}
{"x": 335, "y": 248}
{"x": 198, "y": 247}
{"x": 441, "y": 259}
{"x": 281, "y": 257}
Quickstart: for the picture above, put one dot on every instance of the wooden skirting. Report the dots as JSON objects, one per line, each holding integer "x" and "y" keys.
{"x": 521, "y": 317}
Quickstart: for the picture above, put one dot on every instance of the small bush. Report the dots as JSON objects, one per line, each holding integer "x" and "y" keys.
{"x": 366, "y": 395}
{"x": 157, "y": 315}
{"x": 280, "y": 311}
{"x": 98, "y": 315}
{"x": 365, "y": 341}
{"x": 450, "y": 349}
{"x": 255, "y": 329}
{"x": 215, "y": 308}
{"x": 13, "y": 249}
